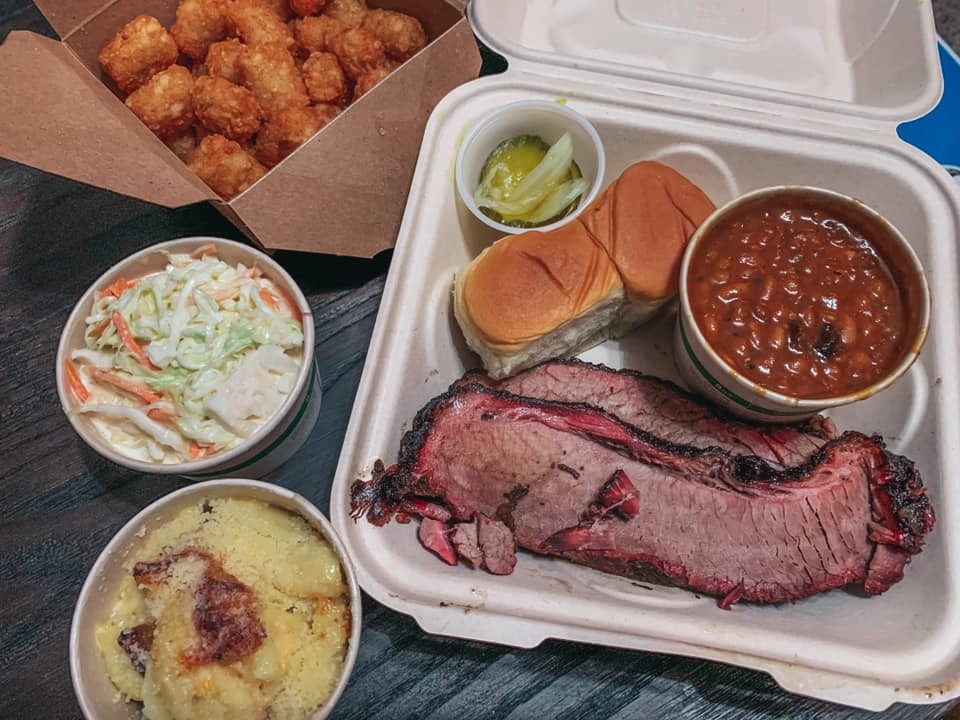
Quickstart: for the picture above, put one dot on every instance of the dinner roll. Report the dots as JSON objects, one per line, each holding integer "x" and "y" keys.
{"x": 536, "y": 295}
{"x": 540, "y": 295}
{"x": 643, "y": 221}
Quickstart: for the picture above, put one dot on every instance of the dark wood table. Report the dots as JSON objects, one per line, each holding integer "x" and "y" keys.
{"x": 61, "y": 502}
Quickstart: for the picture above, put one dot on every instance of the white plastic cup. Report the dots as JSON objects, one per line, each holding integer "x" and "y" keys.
{"x": 549, "y": 120}
{"x": 275, "y": 441}
{"x": 96, "y": 695}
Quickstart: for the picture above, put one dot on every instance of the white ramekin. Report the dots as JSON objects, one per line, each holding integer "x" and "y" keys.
{"x": 547, "y": 119}
{"x": 98, "y": 698}
{"x": 275, "y": 441}
{"x": 710, "y": 376}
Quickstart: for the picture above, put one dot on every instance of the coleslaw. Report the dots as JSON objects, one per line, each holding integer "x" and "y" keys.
{"x": 187, "y": 362}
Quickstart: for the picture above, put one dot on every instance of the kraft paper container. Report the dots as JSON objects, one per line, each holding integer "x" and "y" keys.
{"x": 342, "y": 192}
{"x": 275, "y": 441}
{"x": 98, "y": 698}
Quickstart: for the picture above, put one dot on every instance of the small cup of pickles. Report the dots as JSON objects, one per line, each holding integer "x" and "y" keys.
{"x": 530, "y": 164}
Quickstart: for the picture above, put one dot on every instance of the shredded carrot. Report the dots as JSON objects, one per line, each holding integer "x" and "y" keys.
{"x": 77, "y": 387}
{"x": 288, "y": 301}
{"x": 99, "y": 328}
{"x": 269, "y": 299}
{"x": 129, "y": 342}
{"x": 116, "y": 289}
{"x": 160, "y": 415}
{"x": 131, "y": 386}
{"x": 204, "y": 250}
{"x": 197, "y": 450}
{"x": 291, "y": 305}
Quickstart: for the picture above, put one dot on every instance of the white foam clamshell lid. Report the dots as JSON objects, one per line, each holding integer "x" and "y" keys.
{"x": 900, "y": 646}
{"x": 873, "y": 58}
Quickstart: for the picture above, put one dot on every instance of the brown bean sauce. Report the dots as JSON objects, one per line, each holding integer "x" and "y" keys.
{"x": 796, "y": 299}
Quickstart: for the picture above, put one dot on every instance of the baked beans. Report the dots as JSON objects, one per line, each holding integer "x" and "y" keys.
{"x": 796, "y": 299}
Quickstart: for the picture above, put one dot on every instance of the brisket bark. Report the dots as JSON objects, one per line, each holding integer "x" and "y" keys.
{"x": 663, "y": 409}
{"x": 703, "y": 518}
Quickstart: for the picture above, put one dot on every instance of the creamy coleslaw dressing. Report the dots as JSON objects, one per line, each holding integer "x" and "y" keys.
{"x": 215, "y": 351}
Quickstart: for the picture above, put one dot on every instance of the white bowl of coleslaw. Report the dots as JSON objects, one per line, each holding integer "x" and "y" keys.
{"x": 193, "y": 357}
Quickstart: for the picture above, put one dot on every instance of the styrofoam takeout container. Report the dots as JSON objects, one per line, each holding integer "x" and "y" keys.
{"x": 737, "y": 96}
{"x": 96, "y": 695}
{"x": 275, "y": 441}
{"x": 550, "y": 121}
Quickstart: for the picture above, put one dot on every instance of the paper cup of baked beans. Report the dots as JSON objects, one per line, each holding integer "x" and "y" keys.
{"x": 193, "y": 357}
{"x": 794, "y": 300}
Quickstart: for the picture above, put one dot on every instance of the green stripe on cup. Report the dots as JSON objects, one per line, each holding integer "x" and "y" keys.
{"x": 723, "y": 390}
{"x": 314, "y": 380}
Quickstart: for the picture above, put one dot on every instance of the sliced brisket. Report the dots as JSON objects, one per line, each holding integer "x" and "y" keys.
{"x": 662, "y": 408}
{"x": 435, "y": 536}
{"x": 636, "y": 505}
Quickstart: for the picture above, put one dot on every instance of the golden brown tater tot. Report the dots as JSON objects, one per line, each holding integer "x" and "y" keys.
{"x": 139, "y": 51}
{"x": 402, "y": 35}
{"x": 359, "y": 52}
{"x": 270, "y": 72}
{"x": 199, "y": 24}
{"x": 225, "y": 166}
{"x": 325, "y": 80}
{"x": 227, "y": 109}
{"x": 164, "y": 104}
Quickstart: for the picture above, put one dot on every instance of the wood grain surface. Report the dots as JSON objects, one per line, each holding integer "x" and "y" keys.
{"x": 61, "y": 502}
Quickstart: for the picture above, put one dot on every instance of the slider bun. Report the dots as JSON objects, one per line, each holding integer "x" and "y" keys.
{"x": 540, "y": 295}
{"x": 643, "y": 221}
{"x": 536, "y": 295}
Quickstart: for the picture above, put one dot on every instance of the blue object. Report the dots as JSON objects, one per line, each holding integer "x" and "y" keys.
{"x": 938, "y": 132}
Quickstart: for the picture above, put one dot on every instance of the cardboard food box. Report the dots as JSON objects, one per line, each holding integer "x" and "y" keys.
{"x": 342, "y": 192}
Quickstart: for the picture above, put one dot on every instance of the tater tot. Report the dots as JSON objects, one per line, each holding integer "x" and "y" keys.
{"x": 164, "y": 103}
{"x": 285, "y": 131}
{"x": 402, "y": 35}
{"x": 225, "y": 166}
{"x": 270, "y": 72}
{"x": 281, "y": 8}
{"x": 199, "y": 24}
{"x": 359, "y": 52}
{"x": 139, "y": 51}
{"x": 307, "y": 7}
{"x": 317, "y": 34}
{"x": 256, "y": 24}
{"x": 349, "y": 12}
{"x": 325, "y": 112}
{"x": 325, "y": 80}
{"x": 226, "y": 109}
{"x": 366, "y": 81}
{"x": 183, "y": 145}
{"x": 223, "y": 59}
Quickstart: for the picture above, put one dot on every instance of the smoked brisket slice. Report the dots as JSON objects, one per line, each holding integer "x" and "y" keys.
{"x": 636, "y": 505}
{"x": 662, "y": 408}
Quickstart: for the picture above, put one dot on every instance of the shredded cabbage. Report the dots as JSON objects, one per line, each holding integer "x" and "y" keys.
{"x": 199, "y": 323}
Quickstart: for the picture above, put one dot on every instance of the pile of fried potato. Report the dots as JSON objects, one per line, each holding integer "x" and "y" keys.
{"x": 237, "y": 85}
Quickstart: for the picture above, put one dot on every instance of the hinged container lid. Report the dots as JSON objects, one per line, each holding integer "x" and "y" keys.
{"x": 871, "y": 58}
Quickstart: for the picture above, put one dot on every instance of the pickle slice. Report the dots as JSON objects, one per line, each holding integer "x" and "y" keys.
{"x": 513, "y": 159}
{"x": 519, "y": 155}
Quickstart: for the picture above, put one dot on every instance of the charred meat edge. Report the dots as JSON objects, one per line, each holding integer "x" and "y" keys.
{"x": 818, "y": 426}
